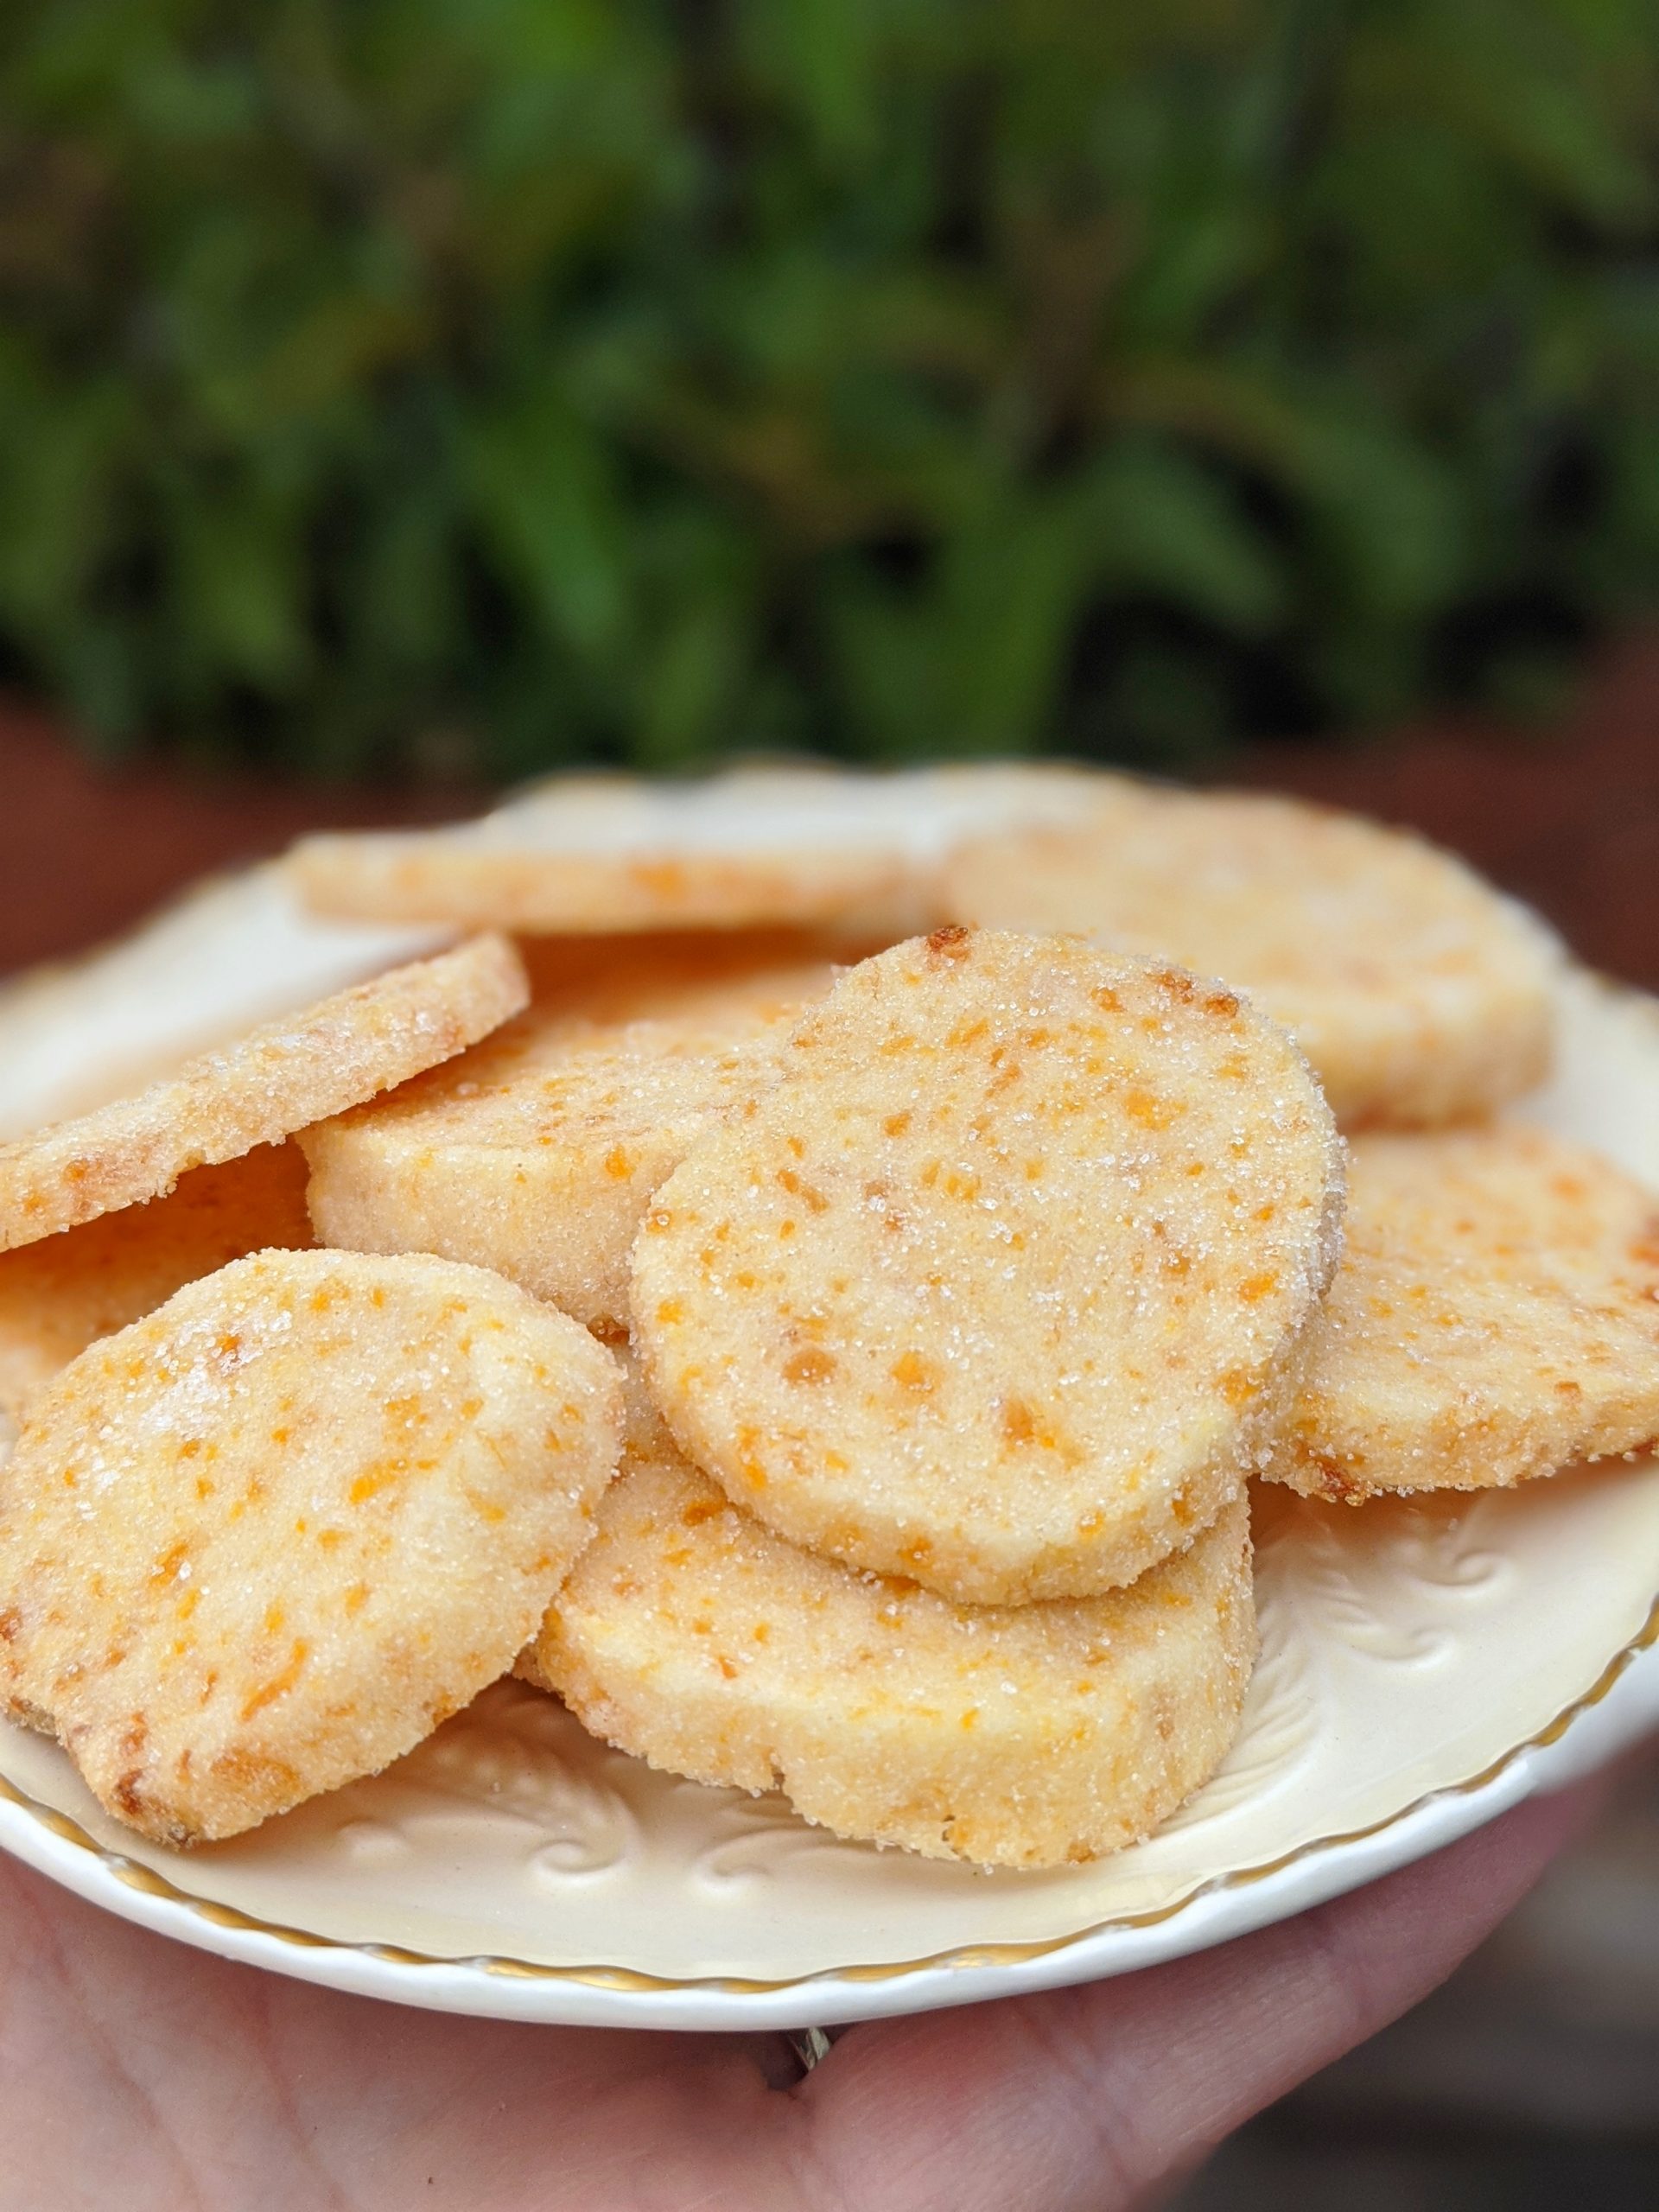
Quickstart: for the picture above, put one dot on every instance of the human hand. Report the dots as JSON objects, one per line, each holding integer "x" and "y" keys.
{"x": 134, "y": 2071}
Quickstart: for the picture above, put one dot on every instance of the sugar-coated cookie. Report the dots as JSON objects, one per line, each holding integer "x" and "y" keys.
{"x": 267, "y": 1539}
{"x": 1496, "y": 1316}
{"x": 63, "y": 1293}
{"x": 793, "y": 843}
{"x": 1418, "y": 993}
{"x": 257, "y": 1090}
{"x": 1030, "y": 1736}
{"x": 1000, "y": 1285}
{"x": 538, "y": 1153}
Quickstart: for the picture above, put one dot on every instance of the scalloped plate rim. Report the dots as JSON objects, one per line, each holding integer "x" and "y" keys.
{"x": 1242, "y": 1900}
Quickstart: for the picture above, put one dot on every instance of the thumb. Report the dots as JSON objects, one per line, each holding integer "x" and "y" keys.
{"x": 1081, "y": 2100}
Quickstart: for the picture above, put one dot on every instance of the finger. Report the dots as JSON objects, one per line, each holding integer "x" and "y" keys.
{"x": 240, "y": 2078}
{"x": 133, "y": 2070}
{"x": 1081, "y": 2100}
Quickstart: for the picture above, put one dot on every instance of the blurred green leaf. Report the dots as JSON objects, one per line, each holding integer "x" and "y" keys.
{"x": 1163, "y": 525}
{"x": 546, "y": 503}
{"x": 496, "y": 382}
{"x": 237, "y": 570}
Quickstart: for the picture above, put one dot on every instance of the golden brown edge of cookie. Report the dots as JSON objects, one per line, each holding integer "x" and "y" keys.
{"x": 758, "y": 1758}
{"x": 406, "y": 876}
{"x": 257, "y": 1088}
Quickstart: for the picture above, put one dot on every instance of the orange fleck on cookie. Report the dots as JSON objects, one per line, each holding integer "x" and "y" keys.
{"x": 1495, "y": 1316}
{"x": 1031, "y": 1736}
{"x": 585, "y": 853}
{"x": 267, "y": 1539}
{"x": 1420, "y": 993}
{"x": 63, "y": 1293}
{"x": 536, "y": 1153}
{"x": 258, "y": 1090}
{"x": 1000, "y": 1286}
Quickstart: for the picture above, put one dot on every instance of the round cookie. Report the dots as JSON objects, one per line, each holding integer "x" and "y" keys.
{"x": 229, "y": 953}
{"x": 1421, "y": 995}
{"x": 267, "y": 1539}
{"x": 798, "y": 843}
{"x": 258, "y": 1090}
{"x": 1495, "y": 1316}
{"x": 1031, "y": 1736}
{"x": 1000, "y": 1286}
{"x": 63, "y": 1293}
{"x": 536, "y": 1153}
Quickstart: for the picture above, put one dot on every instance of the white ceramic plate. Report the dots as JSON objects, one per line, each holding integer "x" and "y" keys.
{"x": 1425, "y": 1665}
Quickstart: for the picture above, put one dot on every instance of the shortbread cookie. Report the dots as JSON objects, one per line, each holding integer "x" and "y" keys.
{"x": 267, "y": 1539}
{"x": 63, "y": 1293}
{"x": 787, "y": 844}
{"x": 258, "y": 1090}
{"x": 1420, "y": 995}
{"x": 232, "y": 953}
{"x": 1027, "y": 1736}
{"x": 1496, "y": 1316}
{"x": 536, "y": 1153}
{"x": 1000, "y": 1285}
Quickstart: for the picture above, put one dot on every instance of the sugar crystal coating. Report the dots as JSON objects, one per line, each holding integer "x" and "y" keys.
{"x": 257, "y": 1090}
{"x": 267, "y": 1539}
{"x": 1419, "y": 993}
{"x": 1000, "y": 1286}
{"x": 1033, "y": 1736}
{"x": 536, "y": 1153}
{"x": 62, "y": 1294}
{"x": 1495, "y": 1316}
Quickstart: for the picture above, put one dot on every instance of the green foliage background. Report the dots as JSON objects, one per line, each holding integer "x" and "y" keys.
{"x": 476, "y": 384}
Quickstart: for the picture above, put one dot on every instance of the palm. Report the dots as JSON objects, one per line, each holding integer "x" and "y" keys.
{"x": 136, "y": 2072}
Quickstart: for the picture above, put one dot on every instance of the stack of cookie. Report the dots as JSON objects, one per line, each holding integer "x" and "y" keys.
{"x": 956, "y": 1342}
{"x": 819, "y": 1315}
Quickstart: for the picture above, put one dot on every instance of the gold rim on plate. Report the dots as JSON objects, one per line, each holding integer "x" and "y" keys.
{"x": 136, "y": 1876}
